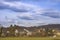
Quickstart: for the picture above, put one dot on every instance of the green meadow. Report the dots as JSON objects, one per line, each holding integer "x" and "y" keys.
{"x": 29, "y": 38}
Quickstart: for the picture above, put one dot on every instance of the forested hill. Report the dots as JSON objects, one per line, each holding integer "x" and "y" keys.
{"x": 50, "y": 26}
{"x": 57, "y": 26}
{"x": 35, "y": 27}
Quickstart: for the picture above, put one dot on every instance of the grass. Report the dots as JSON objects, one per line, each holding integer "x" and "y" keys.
{"x": 29, "y": 38}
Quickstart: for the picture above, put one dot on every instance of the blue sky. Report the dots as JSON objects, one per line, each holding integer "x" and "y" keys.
{"x": 29, "y": 12}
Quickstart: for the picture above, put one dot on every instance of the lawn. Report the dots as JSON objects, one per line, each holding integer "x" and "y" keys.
{"x": 29, "y": 38}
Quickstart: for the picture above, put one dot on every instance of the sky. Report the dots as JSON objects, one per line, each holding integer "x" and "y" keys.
{"x": 29, "y": 12}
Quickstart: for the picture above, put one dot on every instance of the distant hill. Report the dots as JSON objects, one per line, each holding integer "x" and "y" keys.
{"x": 50, "y": 26}
{"x": 53, "y": 26}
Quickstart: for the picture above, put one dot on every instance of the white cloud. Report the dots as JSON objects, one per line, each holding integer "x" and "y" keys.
{"x": 8, "y": 17}
{"x": 18, "y": 5}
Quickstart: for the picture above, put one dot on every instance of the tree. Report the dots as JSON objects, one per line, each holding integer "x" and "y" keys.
{"x": 1, "y": 28}
{"x": 11, "y": 29}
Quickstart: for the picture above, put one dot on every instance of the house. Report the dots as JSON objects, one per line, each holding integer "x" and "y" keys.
{"x": 3, "y": 32}
{"x": 57, "y": 32}
{"x": 16, "y": 32}
{"x": 28, "y": 33}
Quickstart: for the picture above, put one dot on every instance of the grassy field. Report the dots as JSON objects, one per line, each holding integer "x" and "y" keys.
{"x": 29, "y": 38}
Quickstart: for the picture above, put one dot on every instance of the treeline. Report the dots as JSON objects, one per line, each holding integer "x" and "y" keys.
{"x": 35, "y": 31}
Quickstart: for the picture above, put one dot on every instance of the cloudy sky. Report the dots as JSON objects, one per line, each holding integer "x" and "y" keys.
{"x": 29, "y": 12}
